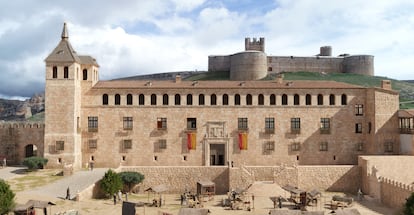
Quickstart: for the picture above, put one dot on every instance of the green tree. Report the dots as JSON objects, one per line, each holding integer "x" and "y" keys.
{"x": 111, "y": 182}
{"x": 6, "y": 197}
{"x": 131, "y": 178}
{"x": 409, "y": 205}
{"x": 34, "y": 162}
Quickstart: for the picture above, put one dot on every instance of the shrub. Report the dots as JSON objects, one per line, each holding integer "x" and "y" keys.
{"x": 409, "y": 205}
{"x": 131, "y": 178}
{"x": 35, "y": 162}
{"x": 111, "y": 182}
{"x": 6, "y": 197}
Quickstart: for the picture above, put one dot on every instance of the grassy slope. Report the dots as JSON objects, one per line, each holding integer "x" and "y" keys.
{"x": 406, "y": 89}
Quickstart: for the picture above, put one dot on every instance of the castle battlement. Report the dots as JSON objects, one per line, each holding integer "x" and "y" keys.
{"x": 256, "y": 45}
{"x": 397, "y": 184}
{"x": 21, "y": 125}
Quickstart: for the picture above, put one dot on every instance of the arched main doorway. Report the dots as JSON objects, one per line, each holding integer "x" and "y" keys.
{"x": 30, "y": 150}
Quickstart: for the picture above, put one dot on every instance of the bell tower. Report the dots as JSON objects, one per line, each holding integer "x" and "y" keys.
{"x": 63, "y": 105}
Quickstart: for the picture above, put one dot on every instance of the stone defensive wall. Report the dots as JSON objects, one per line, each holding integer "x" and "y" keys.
{"x": 21, "y": 139}
{"x": 330, "y": 177}
{"x": 387, "y": 179}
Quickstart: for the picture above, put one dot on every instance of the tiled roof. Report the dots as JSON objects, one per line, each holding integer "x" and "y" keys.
{"x": 85, "y": 59}
{"x": 124, "y": 84}
{"x": 63, "y": 51}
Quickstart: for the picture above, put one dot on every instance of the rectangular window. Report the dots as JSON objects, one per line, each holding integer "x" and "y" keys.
{"x": 270, "y": 125}
{"x": 358, "y": 128}
{"x": 127, "y": 144}
{"x": 242, "y": 124}
{"x": 295, "y": 146}
{"x": 295, "y": 125}
{"x": 323, "y": 146}
{"x": 60, "y": 145}
{"x": 128, "y": 123}
{"x": 359, "y": 110}
{"x": 92, "y": 144}
{"x": 161, "y": 123}
{"x": 325, "y": 125}
{"x": 191, "y": 123}
{"x": 92, "y": 123}
{"x": 269, "y": 146}
{"x": 388, "y": 146}
{"x": 162, "y": 144}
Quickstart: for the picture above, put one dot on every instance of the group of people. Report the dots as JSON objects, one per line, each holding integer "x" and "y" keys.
{"x": 119, "y": 196}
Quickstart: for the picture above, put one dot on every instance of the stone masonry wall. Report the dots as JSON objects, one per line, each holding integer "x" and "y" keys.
{"x": 393, "y": 193}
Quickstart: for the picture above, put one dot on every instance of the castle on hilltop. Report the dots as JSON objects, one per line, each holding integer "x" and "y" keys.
{"x": 254, "y": 64}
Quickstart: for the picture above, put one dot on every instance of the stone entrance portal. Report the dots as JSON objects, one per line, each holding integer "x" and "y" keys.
{"x": 216, "y": 144}
{"x": 217, "y": 154}
{"x": 30, "y": 150}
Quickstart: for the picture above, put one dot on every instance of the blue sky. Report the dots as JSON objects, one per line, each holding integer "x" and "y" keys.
{"x": 140, "y": 37}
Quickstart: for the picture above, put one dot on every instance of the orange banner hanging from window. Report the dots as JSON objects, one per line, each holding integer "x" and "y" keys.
{"x": 191, "y": 141}
{"x": 243, "y": 141}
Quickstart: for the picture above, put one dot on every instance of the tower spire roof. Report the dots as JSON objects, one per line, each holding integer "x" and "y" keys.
{"x": 65, "y": 34}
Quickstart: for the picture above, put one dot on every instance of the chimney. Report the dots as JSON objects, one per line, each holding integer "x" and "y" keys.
{"x": 386, "y": 84}
{"x": 178, "y": 79}
{"x": 279, "y": 78}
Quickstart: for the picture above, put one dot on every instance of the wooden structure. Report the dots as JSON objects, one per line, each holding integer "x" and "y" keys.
{"x": 206, "y": 189}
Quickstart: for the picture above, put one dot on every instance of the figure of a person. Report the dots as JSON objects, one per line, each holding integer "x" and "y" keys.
{"x": 68, "y": 194}
{"x": 4, "y": 162}
{"x": 114, "y": 199}
{"x": 119, "y": 195}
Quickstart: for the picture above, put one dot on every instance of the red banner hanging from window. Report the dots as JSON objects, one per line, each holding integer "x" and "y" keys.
{"x": 191, "y": 141}
{"x": 243, "y": 141}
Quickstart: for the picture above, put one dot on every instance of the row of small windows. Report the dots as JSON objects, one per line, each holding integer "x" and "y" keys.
{"x": 242, "y": 124}
{"x": 225, "y": 99}
{"x": 66, "y": 73}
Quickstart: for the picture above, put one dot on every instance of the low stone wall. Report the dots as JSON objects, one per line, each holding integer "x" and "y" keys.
{"x": 179, "y": 179}
{"x": 393, "y": 193}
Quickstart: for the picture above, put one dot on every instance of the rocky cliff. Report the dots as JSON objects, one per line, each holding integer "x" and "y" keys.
{"x": 16, "y": 110}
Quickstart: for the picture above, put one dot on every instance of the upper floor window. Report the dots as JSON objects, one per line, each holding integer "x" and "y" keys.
{"x": 129, "y": 99}
{"x": 331, "y": 99}
{"x": 308, "y": 99}
{"x": 189, "y": 99}
{"x": 117, "y": 99}
{"x": 128, "y": 123}
{"x": 269, "y": 125}
{"x": 177, "y": 99}
{"x": 141, "y": 99}
{"x": 323, "y": 146}
{"x": 153, "y": 99}
{"x": 284, "y": 99}
{"x": 191, "y": 123}
{"x": 85, "y": 74}
{"x": 249, "y": 99}
{"x": 261, "y": 99}
{"x": 237, "y": 99}
{"x": 54, "y": 74}
{"x": 105, "y": 99}
{"x": 388, "y": 146}
{"x": 325, "y": 125}
{"x": 161, "y": 123}
{"x": 358, "y": 127}
{"x": 296, "y": 99}
{"x": 242, "y": 124}
{"x": 165, "y": 99}
{"x": 92, "y": 123}
{"x": 60, "y": 145}
{"x": 359, "y": 109}
{"x": 295, "y": 125}
{"x": 320, "y": 99}
{"x": 272, "y": 99}
{"x": 344, "y": 99}
{"x": 213, "y": 99}
{"x": 92, "y": 144}
{"x": 225, "y": 99}
{"x": 201, "y": 99}
{"x": 65, "y": 72}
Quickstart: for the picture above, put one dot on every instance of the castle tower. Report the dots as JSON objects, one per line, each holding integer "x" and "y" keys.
{"x": 255, "y": 44}
{"x": 67, "y": 74}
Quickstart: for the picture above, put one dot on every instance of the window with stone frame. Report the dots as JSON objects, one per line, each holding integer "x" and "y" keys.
{"x": 55, "y": 72}
{"x": 192, "y": 123}
{"x": 92, "y": 144}
{"x": 295, "y": 146}
{"x": 269, "y": 146}
{"x": 128, "y": 123}
{"x": 325, "y": 126}
{"x": 388, "y": 146}
{"x": 270, "y": 125}
{"x": 161, "y": 123}
{"x": 359, "y": 110}
{"x": 127, "y": 144}
{"x": 162, "y": 144}
{"x": 323, "y": 146}
{"x": 242, "y": 124}
{"x": 92, "y": 123}
{"x": 358, "y": 128}
{"x": 66, "y": 72}
{"x": 60, "y": 145}
{"x": 295, "y": 125}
